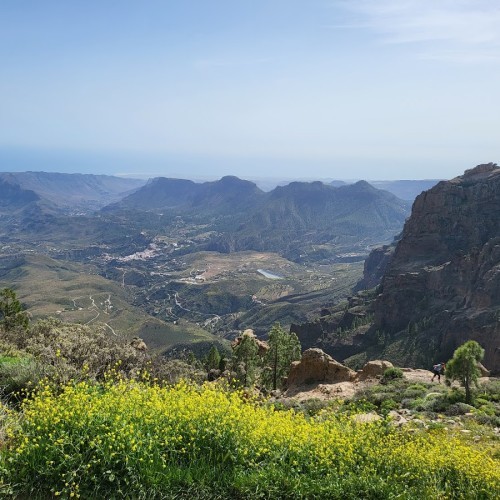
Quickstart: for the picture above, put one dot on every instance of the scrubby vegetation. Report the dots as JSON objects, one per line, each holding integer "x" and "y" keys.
{"x": 85, "y": 414}
{"x": 392, "y": 373}
{"x": 433, "y": 401}
{"x": 133, "y": 439}
{"x": 61, "y": 352}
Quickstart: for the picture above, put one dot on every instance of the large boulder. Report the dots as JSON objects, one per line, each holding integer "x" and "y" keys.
{"x": 138, "y": 344}
{"x": 374, "y": 369}
{"x": 317, "y": 367}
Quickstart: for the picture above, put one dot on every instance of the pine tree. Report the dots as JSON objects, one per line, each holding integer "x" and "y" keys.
{"x": 213, "y": 359}
{"x": 12, "y": 314}
{"x": 463, "y": 366}
{"x": 284, "y": 348}
{"x": 246, "y": 359}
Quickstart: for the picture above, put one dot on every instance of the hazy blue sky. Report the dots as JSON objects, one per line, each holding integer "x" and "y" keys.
{"x": 381, "y": 89}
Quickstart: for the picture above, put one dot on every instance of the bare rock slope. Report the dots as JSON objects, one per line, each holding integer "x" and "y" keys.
{"x": 442, "y": 285}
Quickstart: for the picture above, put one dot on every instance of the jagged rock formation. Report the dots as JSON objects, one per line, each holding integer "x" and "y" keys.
{"x": 442, "y": 285}
{"x": 317, "y": 367}
{"x": 375, "y": 266}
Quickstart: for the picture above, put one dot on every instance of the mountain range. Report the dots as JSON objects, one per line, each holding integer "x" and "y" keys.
{"x": 436, "y": 286}
{"x": 433, "y": 284}
{"x": 301, "y": 221}
{"x": 193, "y": 252}
{"x": 185, "y": 196}
{"x": 289, "y": 220}
{"x": 68, "y": 192}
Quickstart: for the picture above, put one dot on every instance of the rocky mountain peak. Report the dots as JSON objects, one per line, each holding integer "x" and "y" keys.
{"x": 442, "y": 285}
{"x": 232, "y": 180}
{"x": 485, "y": 168}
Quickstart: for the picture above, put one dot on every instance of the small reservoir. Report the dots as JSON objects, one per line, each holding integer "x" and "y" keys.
{"x": 269, "y": 275}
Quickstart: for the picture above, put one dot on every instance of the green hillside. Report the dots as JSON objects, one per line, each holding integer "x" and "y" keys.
{"x": 76, "y": 293}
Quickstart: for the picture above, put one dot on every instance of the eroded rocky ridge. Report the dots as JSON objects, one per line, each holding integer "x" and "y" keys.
{"x": 375, "y": 266}
{"x": 442, "y": 284}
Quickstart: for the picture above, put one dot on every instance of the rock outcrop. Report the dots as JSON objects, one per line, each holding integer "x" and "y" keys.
{"x": 316, "y": 367}
{"x": 483, "y": 370}
{"x": 374, "y": 369}
{"x": 139, "y": 344}
{"x": 375, "y": 266}
{"x": 442, "y": 285}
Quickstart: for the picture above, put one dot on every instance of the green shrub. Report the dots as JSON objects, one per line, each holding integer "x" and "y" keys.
{"x": 378, "y": 398}
{"x": 456, "y": 395}
{"x": 73, "y": 348}
{"x": 485, "y": 419}
{"x": 414, "y": 393}
{"x": 19, "y": 375}
{"x": 388, "y": 405}
{"x": 487, "y": 409}
{"x": 377, "y": 394}
{"x": 407, "y": 402}
{"x": 419, "y": 386}
{"x": 434, "y": 402}
{"x": 9, "y": 349}
{"x": 414, "y": 404}
{"x": 390, "y": 374}
{"x": 358, "y": 406}
{"x": 77, "y": 352}
{"x": 456, "y": 409}
{"x": 479, "y": 401}
{"x": 490, "y": 391}
{"x": 312, "y": 406}
{"x": 9, "y": 360}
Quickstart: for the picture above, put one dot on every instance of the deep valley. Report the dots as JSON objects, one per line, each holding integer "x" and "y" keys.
{"x": 174, "y": 256}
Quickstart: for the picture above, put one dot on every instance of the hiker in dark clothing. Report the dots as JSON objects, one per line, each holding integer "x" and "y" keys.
{"x": 438, "y": 370}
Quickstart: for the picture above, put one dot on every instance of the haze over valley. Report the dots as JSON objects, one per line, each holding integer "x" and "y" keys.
{"x": 175, "y": 261}
{"x": 250, "y": 249}
{"x": 185, "y": 264}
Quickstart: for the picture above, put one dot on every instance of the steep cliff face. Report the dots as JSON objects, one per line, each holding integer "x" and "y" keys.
{"x": 442, "y": 284}
{"x": 375, "y": 266}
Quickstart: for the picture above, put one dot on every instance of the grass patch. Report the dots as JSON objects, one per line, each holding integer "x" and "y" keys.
{"x": 9, "y": 360}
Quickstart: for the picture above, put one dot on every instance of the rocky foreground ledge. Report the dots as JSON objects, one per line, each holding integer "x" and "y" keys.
{"x": 318, "y": 376}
